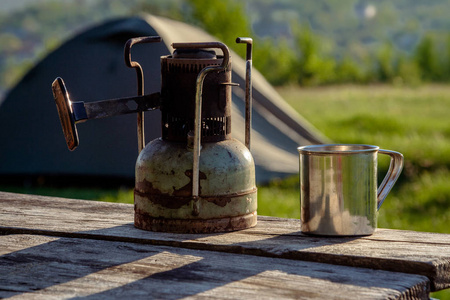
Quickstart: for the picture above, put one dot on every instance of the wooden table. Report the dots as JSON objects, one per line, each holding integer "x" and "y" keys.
{"x": 64, "y": 248}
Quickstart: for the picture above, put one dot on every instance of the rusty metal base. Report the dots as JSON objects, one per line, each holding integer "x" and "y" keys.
{"x": 146, "y": 222}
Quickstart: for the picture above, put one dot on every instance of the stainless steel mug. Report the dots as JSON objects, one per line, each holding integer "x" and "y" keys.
{"x": 338, "y": 188}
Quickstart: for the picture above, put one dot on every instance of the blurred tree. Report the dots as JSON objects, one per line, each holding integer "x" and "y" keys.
{"x": 425, "y": 58}
{"x": 224, "y": 19}
{"x": 446, "y": 74}
{"x": 227, "y": 20}
{"x": 275, "y": 60}
{"x": 339, "y": 43}
{"x": 407, "y": 72}
{"x": 348, "y": 71}
{"x": 313, "y": 67}
{"x": 384, "y": 63}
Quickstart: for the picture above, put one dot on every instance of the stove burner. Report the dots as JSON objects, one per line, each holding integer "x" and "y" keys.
{"x": 179, "y": 75}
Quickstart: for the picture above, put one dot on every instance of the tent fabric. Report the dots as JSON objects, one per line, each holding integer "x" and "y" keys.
{"x": 92, "y": 66}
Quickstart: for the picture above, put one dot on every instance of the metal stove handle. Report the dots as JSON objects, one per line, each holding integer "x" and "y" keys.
{"x": 248, "y": 88}
{"x": 140, "y": 80}
{"x": 198, "y": 103}
{"x": 71, "y": 113}
{"x": 65, "y": 112}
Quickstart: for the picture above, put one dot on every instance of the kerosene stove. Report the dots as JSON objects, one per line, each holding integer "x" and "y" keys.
{"x": 195, "y": 178}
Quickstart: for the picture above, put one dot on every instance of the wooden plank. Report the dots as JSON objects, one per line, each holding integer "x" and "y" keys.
{"x": 392, "y": 250}
{"x": 41, "y": 267}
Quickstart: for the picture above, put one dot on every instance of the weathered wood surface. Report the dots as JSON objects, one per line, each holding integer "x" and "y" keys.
{"x": 392, "y": 250}
{"x": 41, "y": 267}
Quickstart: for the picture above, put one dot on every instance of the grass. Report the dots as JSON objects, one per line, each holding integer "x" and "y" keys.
{"x": 413, "y": 121}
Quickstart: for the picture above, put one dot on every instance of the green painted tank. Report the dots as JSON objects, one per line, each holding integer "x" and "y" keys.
{"x": 196, "y": 178}
{"x": 227, "y": 194}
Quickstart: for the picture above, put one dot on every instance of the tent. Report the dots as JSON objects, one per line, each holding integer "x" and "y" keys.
{"x": 92, "y": 66}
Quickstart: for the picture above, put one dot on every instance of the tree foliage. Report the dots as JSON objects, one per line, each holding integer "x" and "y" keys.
{"x": 305, "y": 60}
{"x": 225, "y": 20}
{"x": 310, "y": 42}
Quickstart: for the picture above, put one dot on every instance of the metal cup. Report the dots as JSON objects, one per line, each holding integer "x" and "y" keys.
{"x": 338, "y": 188}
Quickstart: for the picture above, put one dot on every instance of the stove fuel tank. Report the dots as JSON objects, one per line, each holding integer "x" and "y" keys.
{"x": 196, "y": 178}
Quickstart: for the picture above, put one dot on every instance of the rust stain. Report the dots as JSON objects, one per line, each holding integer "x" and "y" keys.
{"x": 144, "y": 221}
{"x": 220, "y": 201}
{"x": 188, "y": 173}
{"x": 223, "y": 200}
{"x": 183, "y": 196}
{"x": 165, "y": 200}
{"x": 186, "y": 190}
{"x": 146, "y": 187}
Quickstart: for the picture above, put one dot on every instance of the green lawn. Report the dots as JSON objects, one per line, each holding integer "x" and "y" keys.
{"x": 413, "y": 121}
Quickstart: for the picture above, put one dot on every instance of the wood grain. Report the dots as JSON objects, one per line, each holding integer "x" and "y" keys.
{"x": 391, "y": 250}
{"x": 40, "y": 267}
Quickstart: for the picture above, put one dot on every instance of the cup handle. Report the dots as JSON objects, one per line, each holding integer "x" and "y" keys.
{"x": 395, "y": 168}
